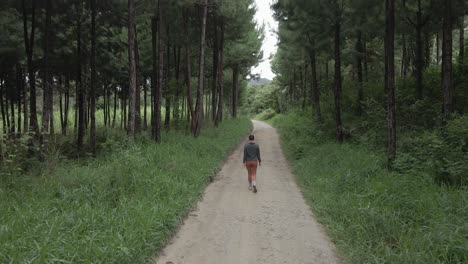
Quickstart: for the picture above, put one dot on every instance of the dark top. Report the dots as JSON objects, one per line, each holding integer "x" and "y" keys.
{"x": 252, "y": 152}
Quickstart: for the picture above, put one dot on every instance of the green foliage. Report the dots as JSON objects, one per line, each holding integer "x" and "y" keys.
{"x": 261, "y": 98}
{"x": 372, "y": 215}
{"x": 119, "y": 208}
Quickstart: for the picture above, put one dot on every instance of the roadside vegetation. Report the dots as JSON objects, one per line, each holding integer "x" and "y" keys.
{"x": 374, "y": 216}
{"x": 121, "y": 207}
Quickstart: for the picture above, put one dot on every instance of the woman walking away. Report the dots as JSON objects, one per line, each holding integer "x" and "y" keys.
{"x": 251, "y": 159}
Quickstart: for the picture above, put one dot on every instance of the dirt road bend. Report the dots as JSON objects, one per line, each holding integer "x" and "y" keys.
{"x": 232, "y": 225}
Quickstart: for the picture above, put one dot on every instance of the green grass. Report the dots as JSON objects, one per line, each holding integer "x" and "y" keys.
{"x": 374, "y": 216}
{"x": 119, "y": 208}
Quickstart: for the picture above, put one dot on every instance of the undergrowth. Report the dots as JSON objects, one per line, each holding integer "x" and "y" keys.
{"x": 121, "y": 207}
{"x": 372, "y": 215}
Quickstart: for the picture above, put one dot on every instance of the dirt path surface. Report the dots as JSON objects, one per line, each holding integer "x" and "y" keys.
{"x": 232, "y": 225}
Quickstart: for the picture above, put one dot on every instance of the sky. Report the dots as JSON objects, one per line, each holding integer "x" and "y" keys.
{"x": 265, "y": 16}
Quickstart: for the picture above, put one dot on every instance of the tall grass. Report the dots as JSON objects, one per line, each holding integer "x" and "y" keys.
{"x": 372, "y": 215}
{"x": 119, "y": 208}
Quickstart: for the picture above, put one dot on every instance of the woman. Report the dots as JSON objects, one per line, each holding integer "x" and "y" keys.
{"x": 251, "y": 160}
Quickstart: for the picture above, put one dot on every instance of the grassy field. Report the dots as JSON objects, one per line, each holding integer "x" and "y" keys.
{"x": 374, "y": 216}
{"x": 119, "y": 208}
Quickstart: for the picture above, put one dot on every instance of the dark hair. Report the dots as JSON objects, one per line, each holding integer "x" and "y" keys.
{"x": 251, "y": 137}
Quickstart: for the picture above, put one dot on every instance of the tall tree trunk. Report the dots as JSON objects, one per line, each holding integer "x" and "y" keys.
{"x": 115, "y": 107}
{"x": 427, "y": 49}
{"x": 304, "y": 85}
{"x": 419, "y": 53}
{"x": 124, "y": 109}
{"x": 339, "y": 124}
{"x": 199, "y": 105}
{"x": 13, "y": 124}
{"x": 235, "y": 92}
{"x": 2, "y": 107}
{"x": 314, "y": 92}
{"x": 138, "y": 86}
{"x": 177, "y": 53}
{"x": 438, "y": 48}
{"x": 220, "y": 77}
{"x": 161, "y": 51}
{"x": 404, "y": 50}
{"x": 80, "y": 91}
{"x": 461, "y": 56}
{"x": 46, "y": 114}
{"x": 132, "y": 69}
{"x": 145, "y": 104}
{"x": 188, "y": 74}
{"x": 106, "y": 102}
{"x": 92, "y": 132}
{"x": 327, "y": 70}
{"x": 365, "y": 59}
{"x": 359, "y": 54}
{"x": 7, "y": 113}
{"x": 156, "y": 81}
{"x": 20, "y": 88}
{"x": 25, "y": 103}
{"x": 390, "y": 78}
{"x": 29, "y": 46}
{"x": 61, "y": 103}
{"x": 215, "y": 70}
{"x": 67, "y": 104}
{"x": 447, "y": 74}
{"x": 167, "y": 92}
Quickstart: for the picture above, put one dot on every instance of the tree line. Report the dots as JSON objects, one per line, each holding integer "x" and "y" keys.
{"x": 370, "y": 43}
{"x": 139, "y": 58}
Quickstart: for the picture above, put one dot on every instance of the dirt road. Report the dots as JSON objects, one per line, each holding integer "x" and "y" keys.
{"x": 232, "y": 225}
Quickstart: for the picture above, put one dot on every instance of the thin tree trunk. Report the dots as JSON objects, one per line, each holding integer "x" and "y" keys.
{"x": 138, "y": 86}
{"x": 46, "y": 114}
{"x": 67, "y": 105}
{"x": 161, "y": 69}
{"x": 235, "y": 84}
{"x": 404, "y": 52}
{"x": 339, "y": 124}
{"x": 188, "y": 74}
{"x": 215, "y": 70}
{"x": 20, "y": 88}
{"x": 220, "y": 77}
{"x": 447, "y": 74}
{"x": 461, "y": 56}
{"x": 145, "y": 105}
{"x": 155, "y": 87}
{"x": 365, "y": 59}
{"x": 29, "y": 46}
{"x": 390, "y": 79}
{"x": 115, "y": 107}
{"x": 167, "y": 119}
{"x": 419, "y": 53}
{"x": 304, "y": 86}
{"x": 92, "y": 132}
{"x": 314, "y": 92}
{"x": 132, "y": 70}
{"x": 438, "y": 48}
{"x": 80, "y": 93}
{"x": 25, "y": 103}
{"x": 13, "y": 124}
{"x": 177, "y": 94}
{"x": 199, "y": 104}
{"x": 427, "y": 50}
{"x": 359, "y": 52}
{"x": 7, "y": 113}
{"x": 2, "y": 108}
